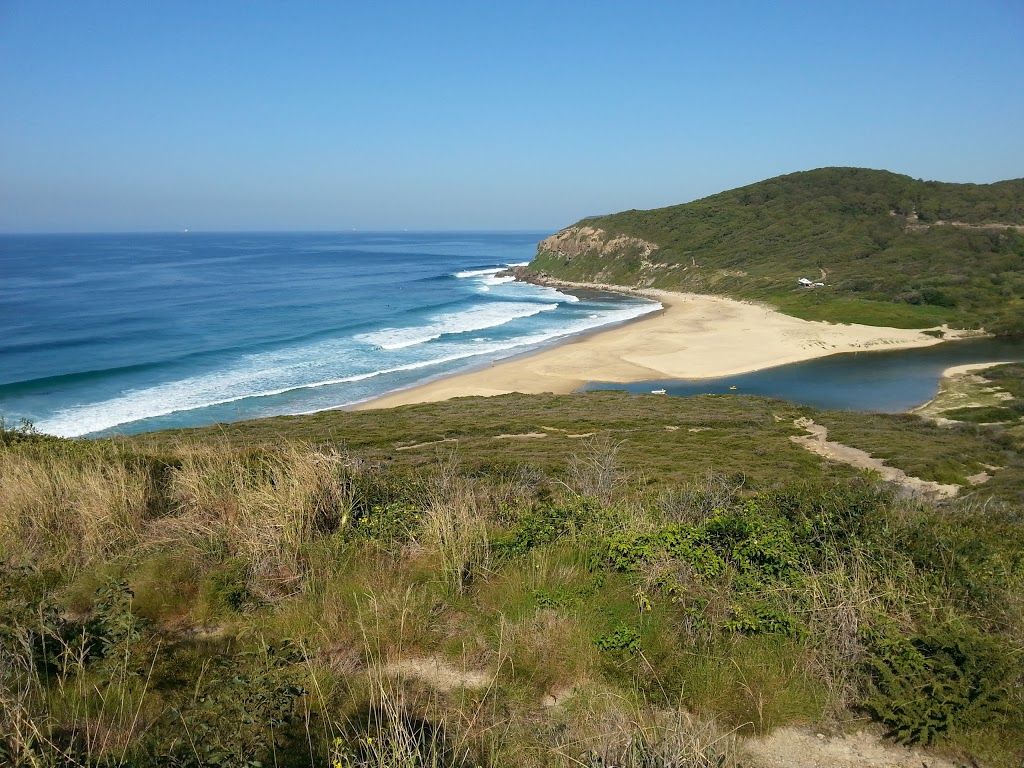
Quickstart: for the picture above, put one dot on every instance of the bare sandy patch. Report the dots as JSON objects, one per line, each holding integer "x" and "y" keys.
{"x": 817, "y": 442}
{"x": 803, "y": 748}
{"x": 960, "y": 370}
{"x": 524, "y": 436}
{"x": 439, "y": 674}
{"x": 423, "y": 445}
{"x": 978, "y": 479}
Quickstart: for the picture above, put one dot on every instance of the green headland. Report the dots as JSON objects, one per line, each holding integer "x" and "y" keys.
{"x": 890, "y": 250}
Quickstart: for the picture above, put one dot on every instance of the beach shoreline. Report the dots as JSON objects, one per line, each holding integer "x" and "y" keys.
{"x": 694, "y": 336}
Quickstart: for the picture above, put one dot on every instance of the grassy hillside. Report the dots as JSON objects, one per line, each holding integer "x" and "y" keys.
{"x": 892, "y": 250}
{"x": 598, "y": 579}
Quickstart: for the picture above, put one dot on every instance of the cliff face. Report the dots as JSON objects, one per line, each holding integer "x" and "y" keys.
{"x": 589, "y": 254}
{"x": 578, "y": 240}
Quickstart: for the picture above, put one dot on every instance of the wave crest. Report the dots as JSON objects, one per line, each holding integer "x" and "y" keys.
{"x": 474, "y": 319}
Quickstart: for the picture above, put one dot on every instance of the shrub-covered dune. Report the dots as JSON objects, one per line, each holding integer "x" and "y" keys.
{"x": 595, "y": 580}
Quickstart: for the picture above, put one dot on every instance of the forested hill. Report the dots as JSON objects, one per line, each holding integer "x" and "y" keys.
{"x": 891, "y": 250}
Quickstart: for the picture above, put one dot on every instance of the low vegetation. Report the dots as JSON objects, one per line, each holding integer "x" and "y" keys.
{"x": 889, "y": 250}
{"x": 655, "y": 581}
{"x": 1006, "y": 382}
{"x": 992, "y": 395}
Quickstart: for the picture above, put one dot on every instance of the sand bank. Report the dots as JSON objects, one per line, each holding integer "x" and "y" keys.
{"x": 960, "y": 370}
{"x": 694, "y": 337}
{"x": 960, "y": 388}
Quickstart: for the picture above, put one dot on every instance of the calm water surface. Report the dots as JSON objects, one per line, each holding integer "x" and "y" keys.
{"x": 888, "y": 382}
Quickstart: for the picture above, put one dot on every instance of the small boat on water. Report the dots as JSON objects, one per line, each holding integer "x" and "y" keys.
{"x": 733, "y": 387}
{"x": 657, "y": 391}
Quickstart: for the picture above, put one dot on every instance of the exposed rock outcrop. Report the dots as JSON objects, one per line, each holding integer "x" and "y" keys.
{"x": 573, "y": 241}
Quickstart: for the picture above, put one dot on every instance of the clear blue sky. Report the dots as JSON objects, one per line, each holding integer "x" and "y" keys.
{"x": 221, "y": 115}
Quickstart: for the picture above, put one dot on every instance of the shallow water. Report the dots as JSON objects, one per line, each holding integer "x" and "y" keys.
{"x": 887, "y": 382}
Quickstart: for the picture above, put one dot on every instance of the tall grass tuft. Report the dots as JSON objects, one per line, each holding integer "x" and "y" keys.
{"x": 70, "y": 513}
{"x": 455, "y": 526}
{"x": 262, "y": 507}
{"x": 594, "y": 470}
{"x": 73, "y": 697}
{"x": 609, "y": 730}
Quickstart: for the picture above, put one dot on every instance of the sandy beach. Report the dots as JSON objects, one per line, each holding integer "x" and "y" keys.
{"x": 694, "y": 337}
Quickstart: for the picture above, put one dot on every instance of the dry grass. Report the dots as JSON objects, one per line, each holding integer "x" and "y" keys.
{"x": 264, "y": 509}
{"x": 594, "y": 470}
{"x": 74, "y": 719}
{"x": 363, "y": 600}
{"x": 455, "y": 527}
{"x": 840, "y": 596}
{"x": 70, "y": 514}
{"x": 607, "y": 729}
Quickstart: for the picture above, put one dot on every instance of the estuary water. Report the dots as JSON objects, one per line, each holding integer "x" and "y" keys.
{"x": 886, "y": 382}
{"x": 103, "y": 334}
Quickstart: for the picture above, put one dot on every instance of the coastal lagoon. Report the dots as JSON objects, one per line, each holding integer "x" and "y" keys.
{"x": 886, "y": 382}
{"x": 103, "y": 334}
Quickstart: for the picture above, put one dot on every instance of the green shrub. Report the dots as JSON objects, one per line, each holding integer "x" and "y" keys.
{"x": 927, "y": 685}
{"x": 240, "y": 713}
{"x": 762, "y": 619}
{"x": 226, "y": 588}
{"x": 389, "y": 522}
{"x": 543, "y": 523}
{"x": 983, "y": 415}
{"x": 622, "y": 638}
{"x": 113, "y": 625}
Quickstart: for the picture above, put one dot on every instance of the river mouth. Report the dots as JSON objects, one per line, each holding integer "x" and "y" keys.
{"x": 881, "y": 382}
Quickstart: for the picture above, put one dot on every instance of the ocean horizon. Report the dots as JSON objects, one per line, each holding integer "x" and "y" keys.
{"x": 106, "y": 334}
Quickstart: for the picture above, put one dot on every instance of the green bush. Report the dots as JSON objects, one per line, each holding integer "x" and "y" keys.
{"x": 930, "y": 684}
{"x": 391, "y": 521}
{"x": 226, "y": 587}
{"x": 240, "y": 714}
{"x": 113, "y": 625}
{"x": 543, "y": 523}
{"x": 622, "y": 638}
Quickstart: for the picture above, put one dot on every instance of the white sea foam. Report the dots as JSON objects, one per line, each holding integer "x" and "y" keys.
{"x": 197, "y": 392}
{"x": 474, "y": 319}
{"x": 478, "y": 272}
{"x": 485, "y": 278}
{"x": 272, "y": 374}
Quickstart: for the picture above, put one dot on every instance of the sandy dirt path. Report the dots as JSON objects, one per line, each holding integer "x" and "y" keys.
{"x": 816, "y": 441}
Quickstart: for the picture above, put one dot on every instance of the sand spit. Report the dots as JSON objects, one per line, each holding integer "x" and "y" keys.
{"x": 695, "y": 337}
{"x": 962, "y": 387}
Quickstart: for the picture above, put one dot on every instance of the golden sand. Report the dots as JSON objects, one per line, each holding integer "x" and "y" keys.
{"x": 694, "y": 337}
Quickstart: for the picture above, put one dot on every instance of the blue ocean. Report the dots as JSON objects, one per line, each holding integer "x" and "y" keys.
{"x": 107, "y": 334}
